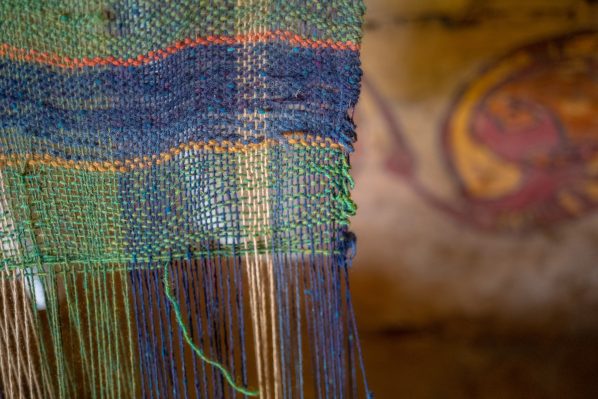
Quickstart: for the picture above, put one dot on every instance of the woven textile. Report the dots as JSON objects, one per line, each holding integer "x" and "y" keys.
{"x": 174, "y": 198}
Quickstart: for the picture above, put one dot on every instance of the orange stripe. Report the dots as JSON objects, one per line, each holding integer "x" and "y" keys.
{"x": 299, "y": 139}
{"x": 20, "y": 54}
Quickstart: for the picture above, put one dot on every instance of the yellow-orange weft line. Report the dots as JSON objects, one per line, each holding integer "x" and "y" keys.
{"x": 292, "y": 138}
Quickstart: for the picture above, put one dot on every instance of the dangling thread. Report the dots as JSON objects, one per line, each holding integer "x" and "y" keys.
{"x": 179, "y": 318}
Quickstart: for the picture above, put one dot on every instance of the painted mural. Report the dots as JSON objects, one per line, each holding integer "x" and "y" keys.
{"x": 476, "y": 178}
{"x": 520, "y": 140}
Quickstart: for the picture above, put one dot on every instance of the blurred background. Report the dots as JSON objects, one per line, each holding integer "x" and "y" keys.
{"x": 476, "y": 173}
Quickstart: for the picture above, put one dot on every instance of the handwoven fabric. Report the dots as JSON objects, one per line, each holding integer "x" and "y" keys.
{"x": 175, "y": 198}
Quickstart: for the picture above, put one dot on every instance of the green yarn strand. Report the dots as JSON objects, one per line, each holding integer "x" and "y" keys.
{"x": 179, "y": 318}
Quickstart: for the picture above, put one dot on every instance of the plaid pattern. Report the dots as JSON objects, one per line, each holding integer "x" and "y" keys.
{"x": 174, "y": 198}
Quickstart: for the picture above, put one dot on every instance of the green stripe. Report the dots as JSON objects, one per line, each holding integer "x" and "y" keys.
{"x": 80, "y": 29}
{"x": 78, "y": 216}
{"x": 62, "y": 212}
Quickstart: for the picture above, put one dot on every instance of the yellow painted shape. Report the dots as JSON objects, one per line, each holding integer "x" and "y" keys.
{"x": 591, "y": 188}
{"x": 570, "y": 203}
{"x": 484, "y": 174}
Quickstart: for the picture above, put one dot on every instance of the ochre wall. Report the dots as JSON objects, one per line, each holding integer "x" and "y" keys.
{"x": 477, "y": 166}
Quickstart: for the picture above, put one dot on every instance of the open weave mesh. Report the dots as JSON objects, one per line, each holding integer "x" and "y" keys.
{"x": 174, "y": 198}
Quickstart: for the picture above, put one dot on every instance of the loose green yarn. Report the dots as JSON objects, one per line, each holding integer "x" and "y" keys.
{"x": 179, "y": 318}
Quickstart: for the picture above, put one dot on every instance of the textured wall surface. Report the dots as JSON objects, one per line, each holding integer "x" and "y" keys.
{"x": 477, "y": 165}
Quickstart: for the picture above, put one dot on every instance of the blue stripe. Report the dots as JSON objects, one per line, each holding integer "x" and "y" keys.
{"x": 109, "y": 113}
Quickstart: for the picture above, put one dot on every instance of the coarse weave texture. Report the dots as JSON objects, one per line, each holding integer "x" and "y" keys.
{"x": 175, "y": 199}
